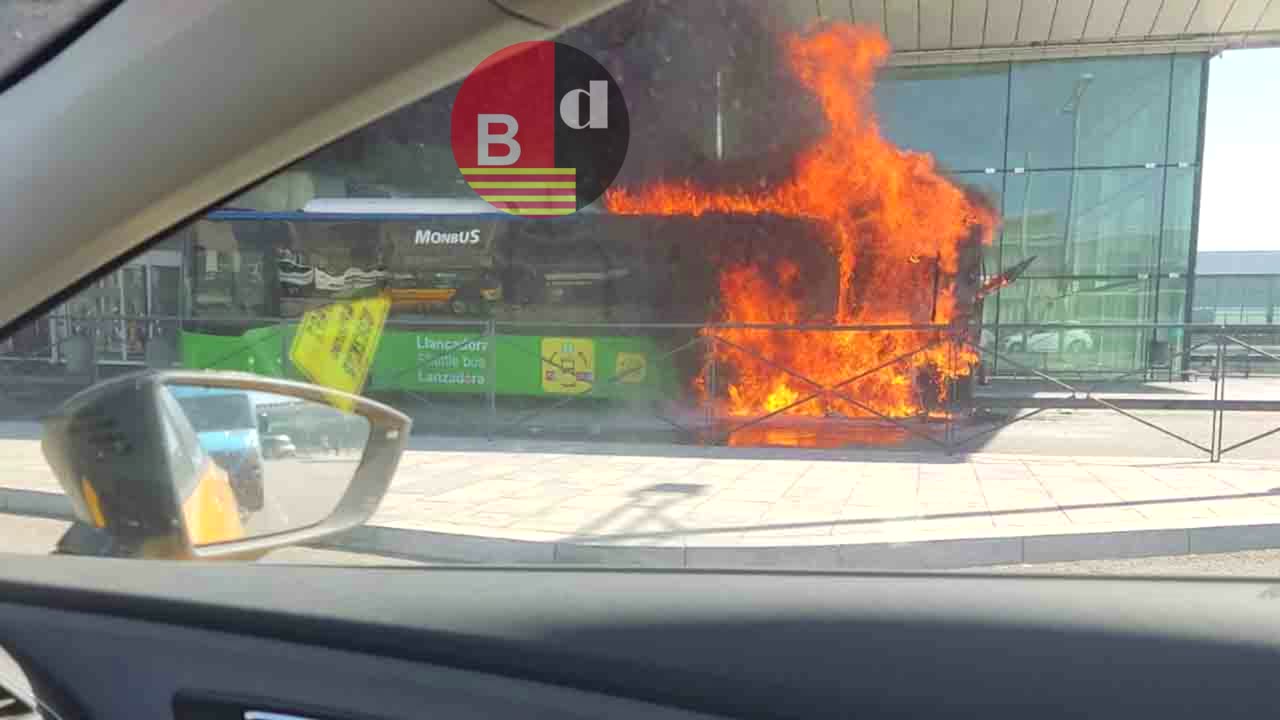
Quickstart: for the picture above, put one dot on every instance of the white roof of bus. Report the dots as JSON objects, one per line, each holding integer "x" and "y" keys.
{"x": 399, "y": 206}
{"x": 405, "y": 206}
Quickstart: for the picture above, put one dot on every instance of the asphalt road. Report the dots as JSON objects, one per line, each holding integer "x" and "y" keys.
{"x": 301, "y": 491}
{"x": 1251, "y": 563}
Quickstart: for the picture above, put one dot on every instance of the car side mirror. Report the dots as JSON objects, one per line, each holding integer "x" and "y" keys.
{"x": 172, "y": 464}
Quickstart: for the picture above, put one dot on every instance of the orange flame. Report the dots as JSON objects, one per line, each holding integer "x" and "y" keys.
{"x": 879, "y": 205}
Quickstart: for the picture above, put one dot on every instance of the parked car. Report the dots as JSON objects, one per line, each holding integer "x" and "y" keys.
{"x": 1049, "y": 340}
{"x": 224, "y": 421}
{"x": 278, "y": 446}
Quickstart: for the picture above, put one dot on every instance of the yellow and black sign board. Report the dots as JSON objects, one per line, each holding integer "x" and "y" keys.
{"x": 335, "y": 344}
{"x": 568, "y": 365}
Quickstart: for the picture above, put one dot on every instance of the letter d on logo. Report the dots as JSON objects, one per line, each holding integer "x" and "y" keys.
{"x": 597, "y": 106}
{"x": 485, "y": 139}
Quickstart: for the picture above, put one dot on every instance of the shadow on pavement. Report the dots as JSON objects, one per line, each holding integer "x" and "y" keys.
{"x": 651, "y": 512}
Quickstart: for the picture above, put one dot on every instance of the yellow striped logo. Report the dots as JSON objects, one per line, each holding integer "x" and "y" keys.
{"x": 528, "y": 192}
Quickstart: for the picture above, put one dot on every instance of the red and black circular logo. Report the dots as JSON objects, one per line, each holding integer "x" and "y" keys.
{"x": 540, "y": 129}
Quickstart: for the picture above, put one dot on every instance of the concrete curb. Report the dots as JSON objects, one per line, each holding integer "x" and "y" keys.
{"x": 437, "y": 546}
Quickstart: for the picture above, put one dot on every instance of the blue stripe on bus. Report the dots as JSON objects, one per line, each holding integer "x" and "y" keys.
{"x": 297, "y": 215}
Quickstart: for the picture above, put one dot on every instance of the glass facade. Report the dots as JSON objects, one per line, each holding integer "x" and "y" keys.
{"x": 1094, "y": 165}
{"x": 1237, "y": 300}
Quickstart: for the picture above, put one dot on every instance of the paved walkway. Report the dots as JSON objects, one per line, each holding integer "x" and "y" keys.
{"x": 511, "y": 501}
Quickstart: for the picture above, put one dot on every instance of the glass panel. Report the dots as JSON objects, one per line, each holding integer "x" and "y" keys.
{"x": 109, "y": 307}
{"x": 1184, "y": 118}
{"x": 1098, "y": 112}
{"x": 1275, "y": 300}
{"x": 164, "y": 290}
{"x": 227, "y": 268}
{"x": 1256, "y": 300}
{"x": 1231, "y": 301}
{"x": 1070, "y": 301}
{"x": 955, "y": 112}
{"x": 132, "y": 327}
{"x": 1172, "y": 306}
{"x": 1205, "y": 305}
{"x": 166, "y": 304}
{"x": 1173, "y": 299}
{"x": 1089, "y": 222}
{"x": 1179, "y": 210}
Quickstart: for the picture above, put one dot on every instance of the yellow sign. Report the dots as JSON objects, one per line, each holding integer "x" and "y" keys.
{"x": 568, "y": 365}
{"x": 630, "y": 368}
{"x": 334, "y": 345}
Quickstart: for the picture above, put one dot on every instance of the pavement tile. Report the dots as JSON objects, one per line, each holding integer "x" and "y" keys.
{"x": 490, "y": 519}
{"x": 671, "y": 504}
{"x": 864, "y": 520}
{"x": 727, "y": 513}
{"x": 949, "y": 526}
{"x": 905, "y": 509}
{"x": 1059, "y": 470}
{"x": 417, "y": 512}
{"x": 519, "y": 506}
{"x": 637, "y": 526}
{"x": 548, "y": 491}
{"x": 833, "y": 493}
{"x": 953, "y": 509}
{"x": 1249, "y": 480}
{"x": 1174, "y": 512}
{"x": 1106, "y": 515}
{"x": 1159, "y": 491}
{"x": 755, "y": 490}
{"x": 1243, "y": 508}
{"x": 796, "y": 520}
{"x": 1019, "y": 500}
{"x": 1029, "y": 519}
{"x": 566, "y": 519}
{"x": 1082, "y": 493}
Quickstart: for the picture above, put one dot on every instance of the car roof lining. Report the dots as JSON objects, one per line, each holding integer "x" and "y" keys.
{"x": 56, "y": 43}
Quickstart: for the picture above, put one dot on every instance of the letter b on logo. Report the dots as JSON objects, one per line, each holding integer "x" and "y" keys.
{"x": 486, "y": 139}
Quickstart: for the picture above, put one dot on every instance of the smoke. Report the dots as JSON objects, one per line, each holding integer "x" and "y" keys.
{"x": 683, "y": 64}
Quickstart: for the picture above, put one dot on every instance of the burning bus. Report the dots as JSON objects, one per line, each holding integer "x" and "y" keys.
{"x": 852, "y": 261}
{"x": 630, "y": 287}
{"x": 904, "y": 238}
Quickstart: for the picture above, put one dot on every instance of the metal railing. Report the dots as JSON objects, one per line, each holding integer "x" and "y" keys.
{"x": 475, "y": 347}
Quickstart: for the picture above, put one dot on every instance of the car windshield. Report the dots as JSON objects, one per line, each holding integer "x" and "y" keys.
{"x": 742, "y": 283}
{"x": 218, "y": 412}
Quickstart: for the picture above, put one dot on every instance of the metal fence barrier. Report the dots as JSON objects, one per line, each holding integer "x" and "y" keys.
{"x": 1015, "y": 365}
